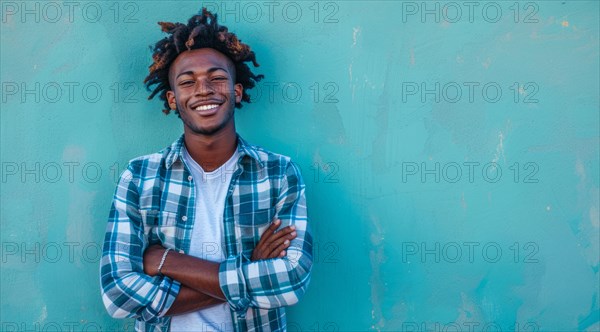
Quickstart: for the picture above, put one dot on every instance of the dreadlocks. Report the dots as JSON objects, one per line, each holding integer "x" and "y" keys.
{"x": 201, "y": 31}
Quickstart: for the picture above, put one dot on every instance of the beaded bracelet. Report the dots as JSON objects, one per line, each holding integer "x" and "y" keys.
{"x": 162, "y": 261}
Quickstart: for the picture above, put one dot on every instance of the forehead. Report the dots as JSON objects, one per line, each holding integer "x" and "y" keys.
{"x": 199, "y": 61}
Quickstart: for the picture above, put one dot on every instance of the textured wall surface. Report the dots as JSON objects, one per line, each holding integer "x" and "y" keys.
{"x": 450, "y": 153}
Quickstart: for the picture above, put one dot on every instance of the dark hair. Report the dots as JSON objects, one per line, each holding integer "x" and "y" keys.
{"x": 201, "y": 31}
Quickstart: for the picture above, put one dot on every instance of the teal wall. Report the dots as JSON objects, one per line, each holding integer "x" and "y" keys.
{"x": 450, "y": 153}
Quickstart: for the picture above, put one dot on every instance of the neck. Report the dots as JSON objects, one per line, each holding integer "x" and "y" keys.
{"x": 210, "y": 152}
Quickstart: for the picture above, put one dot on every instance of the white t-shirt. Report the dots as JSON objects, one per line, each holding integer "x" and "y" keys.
{"x": 207, "y": 239}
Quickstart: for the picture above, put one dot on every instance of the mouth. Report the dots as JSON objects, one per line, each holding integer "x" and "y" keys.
{"x": 206, "y": 109}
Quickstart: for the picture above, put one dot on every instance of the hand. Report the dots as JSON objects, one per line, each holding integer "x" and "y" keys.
{"x": 152, "y": 257}
{"x": 273, "y": 244}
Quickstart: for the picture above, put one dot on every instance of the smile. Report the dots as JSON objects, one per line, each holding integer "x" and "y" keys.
{"x": 206, "y": 107}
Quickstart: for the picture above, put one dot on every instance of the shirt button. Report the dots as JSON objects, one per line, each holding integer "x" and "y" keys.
{"x": 184, "y": 218}
{"x": 190, "y": 178}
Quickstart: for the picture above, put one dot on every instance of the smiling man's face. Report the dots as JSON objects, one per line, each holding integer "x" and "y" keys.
{"x": 204, "y": 90}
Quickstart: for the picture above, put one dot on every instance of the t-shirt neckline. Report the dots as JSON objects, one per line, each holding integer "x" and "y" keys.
{"x": 226, "y": 166}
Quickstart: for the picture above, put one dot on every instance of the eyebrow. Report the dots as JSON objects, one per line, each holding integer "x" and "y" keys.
{"x": 209, "y": 71}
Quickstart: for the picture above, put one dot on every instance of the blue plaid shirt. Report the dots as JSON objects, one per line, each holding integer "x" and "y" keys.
{"x": 154, "y": 202}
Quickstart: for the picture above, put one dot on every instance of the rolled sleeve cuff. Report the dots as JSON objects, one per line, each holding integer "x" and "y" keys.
{"x": 170, "y": 289}
{"x": 233, "y": 284}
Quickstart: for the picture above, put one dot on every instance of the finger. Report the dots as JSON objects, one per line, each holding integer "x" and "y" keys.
{"x": 260, "y": 250}
{"x": 279, "y": 249}
{"x": 283, "y": 237}
{"x": 268, "y": 239}
{"x": 285, "y": 232}
{"x": 269, "y": 231}
{"x": 288, "y": 233}
{"x": 292, "y": 235}
{"x": 264, "y": 249}
{"x": 257, "y": 253}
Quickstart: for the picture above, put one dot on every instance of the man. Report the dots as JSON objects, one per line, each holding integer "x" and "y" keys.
{"x": 212, "y": 232}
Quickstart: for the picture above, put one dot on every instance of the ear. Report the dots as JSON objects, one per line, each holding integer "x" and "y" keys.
{"x": 171, "y": 100}
{"x": 238, "y": 89}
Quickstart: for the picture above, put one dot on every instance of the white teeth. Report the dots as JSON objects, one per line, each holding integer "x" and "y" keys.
{"x": 206, "y": 107}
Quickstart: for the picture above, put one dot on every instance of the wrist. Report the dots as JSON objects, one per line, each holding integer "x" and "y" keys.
{"x": 162, "y": 261}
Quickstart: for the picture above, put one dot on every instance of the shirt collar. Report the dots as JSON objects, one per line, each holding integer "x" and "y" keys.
{"x": 174, "y": 152}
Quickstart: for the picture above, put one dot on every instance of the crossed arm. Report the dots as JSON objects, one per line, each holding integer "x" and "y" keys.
{"x": 200, "y": 278}
{"x": 276, "y": 275}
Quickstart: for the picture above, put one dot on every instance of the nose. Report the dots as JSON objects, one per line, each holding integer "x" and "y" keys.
{"x": 203, "y": 88}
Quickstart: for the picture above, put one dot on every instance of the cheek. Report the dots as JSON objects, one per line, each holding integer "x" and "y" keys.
{"x": 180, "y": 99}
{"x": 179, "y": 103}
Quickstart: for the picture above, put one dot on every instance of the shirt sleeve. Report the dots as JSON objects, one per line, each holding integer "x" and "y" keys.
{"x": 126, "y": 290}
{"x": 274, "y": 282}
